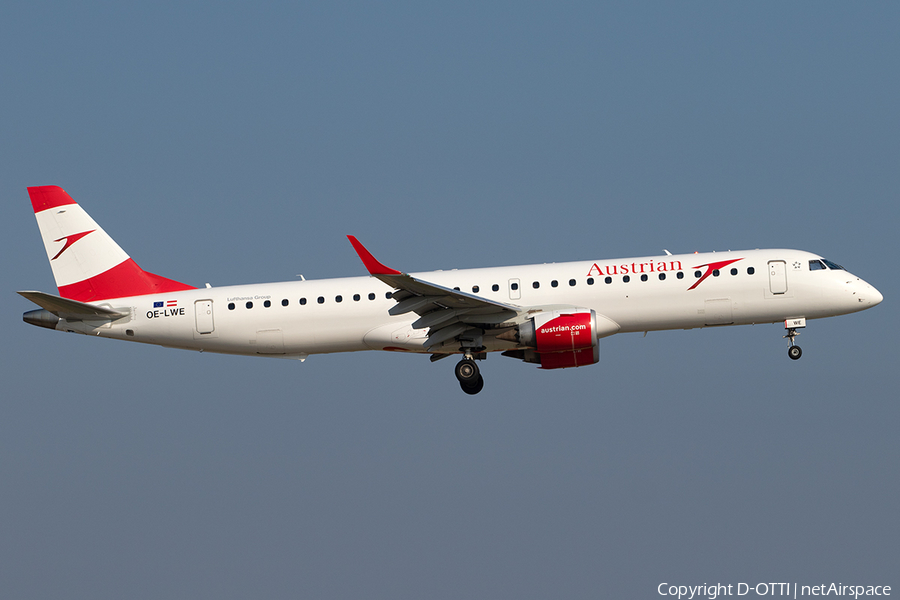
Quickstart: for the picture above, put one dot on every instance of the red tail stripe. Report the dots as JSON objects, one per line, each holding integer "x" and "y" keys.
{"x": 125, "y": 279}
{"x": 48, "y": 196}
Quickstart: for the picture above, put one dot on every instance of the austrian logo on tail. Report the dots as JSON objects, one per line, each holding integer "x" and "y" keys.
{"x": 70, "y": 239}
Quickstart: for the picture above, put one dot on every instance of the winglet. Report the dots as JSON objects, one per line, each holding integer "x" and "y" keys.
{"x": 371, "y": 263}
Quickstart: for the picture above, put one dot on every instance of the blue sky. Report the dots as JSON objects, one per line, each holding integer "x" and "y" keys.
{"x": 239, "y": 142}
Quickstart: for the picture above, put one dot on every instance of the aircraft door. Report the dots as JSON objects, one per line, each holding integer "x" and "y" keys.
{"x": 777, "y": 277}
{"x": 515, "y": 292}
{"x": 203, "y": 314}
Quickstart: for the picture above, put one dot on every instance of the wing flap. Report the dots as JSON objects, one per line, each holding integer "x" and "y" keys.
{"x": 444, "y": 334}
{"x": 414, "y": 303}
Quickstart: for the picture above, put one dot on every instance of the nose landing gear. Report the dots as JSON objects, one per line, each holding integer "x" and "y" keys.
{"x": 470, "y": 379}
{"x": 792, "y": 325}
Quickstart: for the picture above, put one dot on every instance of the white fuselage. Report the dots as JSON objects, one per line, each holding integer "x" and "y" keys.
{"x": 298, "y": 318}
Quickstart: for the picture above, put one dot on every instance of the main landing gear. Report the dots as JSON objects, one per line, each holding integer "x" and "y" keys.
{"x": 470, "y": 379}
{"x": 792, "y": 325}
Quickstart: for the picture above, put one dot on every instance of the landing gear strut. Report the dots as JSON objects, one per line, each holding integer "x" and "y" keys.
{"x": 470, "y": 379}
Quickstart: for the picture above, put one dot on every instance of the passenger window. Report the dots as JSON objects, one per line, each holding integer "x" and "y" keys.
{"x": 338, "y": 298}
{"x": 680, "y": 275}
{"x": 249, "y": 305}
{"x": 626, "y": 279}
{"x": 390, "y": 294}
{"x": 644, "y": 277}
{"x": 475, "y": 289}
{"x": 371, "y": 296}
{"x": 590, "y": 281}
{"x": 662, "y": 276}
{"x": 302, "y": 301}
{"x": 535, "y": 285}
{"x": 697, "y": 274}
{"x": 495, "y": 288}
{"x": 716, "y": 273}
{"x": 571, "y": 283}
{"x": 750, "y": 270}
{"x": 554, "y": 283}
{"x": 514, "y": 286}
{"x": 231, "y": 306}
{"x": 356, "y": 297}
{"x": 285, "y": 302}
{"x": 267, "y": 303}
{"x": 320, "y": 300}
{"x": 734, "y": 271}
{"x": 608, "y": 280}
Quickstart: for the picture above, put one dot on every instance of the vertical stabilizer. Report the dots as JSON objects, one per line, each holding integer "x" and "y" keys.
{"x": 87, "y": 264}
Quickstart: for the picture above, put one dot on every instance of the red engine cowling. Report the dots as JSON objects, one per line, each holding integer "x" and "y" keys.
{"x": 561, "y": 339}
{"x": 558, "y": 331}
{"x": 573, "y": 358}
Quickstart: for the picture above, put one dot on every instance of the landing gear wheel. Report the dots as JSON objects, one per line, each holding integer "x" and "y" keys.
{"x": 795, "y": 352}
{"x": 467, "y": 372}
{"x": 474, "y": 388}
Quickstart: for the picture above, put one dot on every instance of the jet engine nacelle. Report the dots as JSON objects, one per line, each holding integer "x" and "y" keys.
{"x": 563, "y": 338}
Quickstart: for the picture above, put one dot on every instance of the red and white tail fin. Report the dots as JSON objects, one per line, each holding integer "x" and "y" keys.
{"x": 87, "y": 264}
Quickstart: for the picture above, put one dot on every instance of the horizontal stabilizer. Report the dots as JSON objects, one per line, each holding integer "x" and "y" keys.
{"x": 72, "y": 310}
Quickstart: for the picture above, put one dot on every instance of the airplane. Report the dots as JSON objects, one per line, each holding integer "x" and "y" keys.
{"x": 551, "y": 315}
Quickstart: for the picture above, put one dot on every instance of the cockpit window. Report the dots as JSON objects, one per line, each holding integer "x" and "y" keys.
{"x": 816, "y": 265}
{"x": 832, "y": 265}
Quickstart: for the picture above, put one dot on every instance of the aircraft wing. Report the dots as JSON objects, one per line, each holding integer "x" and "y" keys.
{"x": 447, "y": 313}
{"x": 72, "y": 310}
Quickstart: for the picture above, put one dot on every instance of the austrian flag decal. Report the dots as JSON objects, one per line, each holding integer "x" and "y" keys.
{"x": 169, "y": 308}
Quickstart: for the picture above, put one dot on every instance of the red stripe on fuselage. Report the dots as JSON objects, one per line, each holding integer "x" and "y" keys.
{"x": 123, "y": 280}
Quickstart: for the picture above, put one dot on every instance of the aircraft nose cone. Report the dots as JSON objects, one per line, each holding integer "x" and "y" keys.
{"x": 862, "y": 294}
{"x": 875, "y": 296}
{"x": 867, "y": 294}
